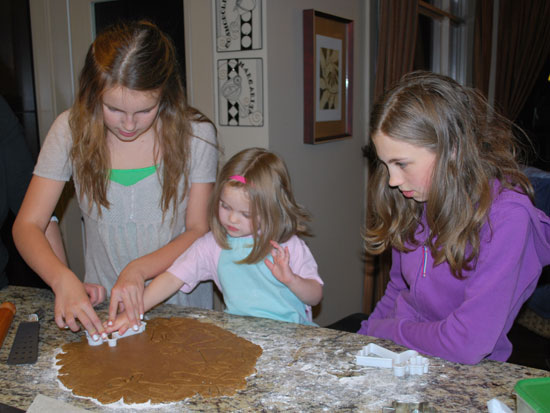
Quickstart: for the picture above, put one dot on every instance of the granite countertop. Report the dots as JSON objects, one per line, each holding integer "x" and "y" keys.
{"x": 301, "y": 369}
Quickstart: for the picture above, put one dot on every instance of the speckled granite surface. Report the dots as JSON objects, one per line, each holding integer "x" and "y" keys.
{"x": 301, "y": 369}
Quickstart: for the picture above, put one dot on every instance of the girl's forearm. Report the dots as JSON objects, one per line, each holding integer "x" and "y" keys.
{"x": 309, "y": 291}
{"x": 158, "y": 261}
{"x": 32, "y": 235}
{"x": 196, "y": 223}
{"x": 53, "y": 235}
{"x": 162, "y": 287}
{"x": 36, "y": 250}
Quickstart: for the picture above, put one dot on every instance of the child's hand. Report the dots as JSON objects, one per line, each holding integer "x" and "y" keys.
{"x": 309, "y": 291}
{"x": 120, "y": 324}
{"x": 280, "y": 267}
{"x": 96, "y": 292}
{"x": 127, "y": 294}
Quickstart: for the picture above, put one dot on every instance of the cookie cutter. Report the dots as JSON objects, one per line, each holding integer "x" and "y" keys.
{"x": 115, "y": 336}
{"x": 408, "y": 361}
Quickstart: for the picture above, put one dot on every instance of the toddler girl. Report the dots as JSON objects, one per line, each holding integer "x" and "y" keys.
{"x": 252, "y": 252}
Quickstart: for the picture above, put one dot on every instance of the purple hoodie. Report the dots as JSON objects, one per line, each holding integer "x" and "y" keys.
{"x": 427, "y": 309}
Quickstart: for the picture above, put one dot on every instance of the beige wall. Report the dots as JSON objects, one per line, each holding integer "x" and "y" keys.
{"x": 327, "y": 178}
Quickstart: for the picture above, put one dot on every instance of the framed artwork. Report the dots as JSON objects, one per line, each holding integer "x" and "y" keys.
{"x": 240, "y": 92}
{"x": 328, "y": 77}
{"x": 238, "y": 25}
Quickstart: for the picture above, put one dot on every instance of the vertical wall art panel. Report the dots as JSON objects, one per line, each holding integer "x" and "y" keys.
{"x": 240, "y": 92}
{"x": 238, "y": 25}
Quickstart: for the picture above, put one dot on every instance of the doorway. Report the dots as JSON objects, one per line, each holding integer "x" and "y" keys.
{"x": 166, "y": 14}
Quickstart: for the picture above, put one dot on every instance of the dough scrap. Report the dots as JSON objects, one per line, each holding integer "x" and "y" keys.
{"x": 174, "y": 358}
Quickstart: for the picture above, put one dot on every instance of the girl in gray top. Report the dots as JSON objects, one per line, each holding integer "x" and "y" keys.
{"x": 143, "y": 164}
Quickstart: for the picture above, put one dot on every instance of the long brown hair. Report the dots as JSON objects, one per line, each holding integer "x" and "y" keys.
{"x": 473, "y": 145}
{"x": 140, "y": 57}
{"x": 274, "y": 211}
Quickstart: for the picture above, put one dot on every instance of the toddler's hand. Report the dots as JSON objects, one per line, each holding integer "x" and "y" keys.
{"x": 120, "y": 324}
{"x": 280, "y": 267}
{"x": 96, "y": 292}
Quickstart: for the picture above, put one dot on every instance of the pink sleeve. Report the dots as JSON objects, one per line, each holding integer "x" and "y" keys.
{"x": 302, "y": 262}
{"x": 198, "y": 263}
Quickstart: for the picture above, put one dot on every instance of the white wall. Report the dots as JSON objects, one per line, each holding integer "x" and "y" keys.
{"x": 54, "y": 72}
{"x": 327, "y": 178}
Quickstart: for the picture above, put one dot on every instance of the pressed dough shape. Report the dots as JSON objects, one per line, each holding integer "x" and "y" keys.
{"x": 174, "y": 358}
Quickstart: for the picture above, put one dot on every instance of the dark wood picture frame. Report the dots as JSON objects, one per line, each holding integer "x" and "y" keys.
{"x": 328, "y": 77}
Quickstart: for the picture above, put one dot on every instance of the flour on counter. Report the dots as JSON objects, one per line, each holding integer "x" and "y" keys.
{"x": 368, "y": 388}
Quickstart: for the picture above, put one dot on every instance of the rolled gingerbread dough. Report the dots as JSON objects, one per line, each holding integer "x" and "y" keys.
{"x": 174, "y": 358}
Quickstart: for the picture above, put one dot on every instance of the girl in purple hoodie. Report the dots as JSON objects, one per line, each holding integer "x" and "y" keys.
{"x": 447, "y": 195}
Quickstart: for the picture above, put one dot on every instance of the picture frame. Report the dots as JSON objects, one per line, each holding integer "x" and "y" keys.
{"x": 328, "y": 77}
{"x": 240, "y": 92}
{"x": 238, "y": 25}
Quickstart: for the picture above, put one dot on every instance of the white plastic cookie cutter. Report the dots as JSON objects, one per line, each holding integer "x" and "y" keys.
{"x": 115, "y": 336}
{"x": 402, "y": 363}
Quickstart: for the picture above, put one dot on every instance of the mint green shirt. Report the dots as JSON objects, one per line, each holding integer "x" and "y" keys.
{"x": 251, "y": 289}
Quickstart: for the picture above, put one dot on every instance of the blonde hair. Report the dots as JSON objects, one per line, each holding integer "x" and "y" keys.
{"x": 140, "y": 57}
{"x": 274, "y": 212}
{"x": 474, "y": 146}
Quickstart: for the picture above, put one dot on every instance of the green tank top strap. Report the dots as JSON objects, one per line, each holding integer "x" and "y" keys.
{"x": 128, "y": 177}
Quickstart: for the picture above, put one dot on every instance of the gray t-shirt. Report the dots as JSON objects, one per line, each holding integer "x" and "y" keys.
{"x": 133, "y": 226}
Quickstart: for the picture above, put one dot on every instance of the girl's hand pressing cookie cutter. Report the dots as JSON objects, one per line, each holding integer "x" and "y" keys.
{"x": 115, "y": 336}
